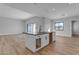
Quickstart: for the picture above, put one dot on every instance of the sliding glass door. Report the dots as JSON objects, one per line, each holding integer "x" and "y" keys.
{"x": 31, "y": 28}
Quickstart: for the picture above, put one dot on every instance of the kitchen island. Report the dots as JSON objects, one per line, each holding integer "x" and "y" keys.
{"x": 35, "y": 42}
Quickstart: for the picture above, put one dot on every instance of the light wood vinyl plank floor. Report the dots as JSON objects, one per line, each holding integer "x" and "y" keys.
{"x": 15, "y": 45}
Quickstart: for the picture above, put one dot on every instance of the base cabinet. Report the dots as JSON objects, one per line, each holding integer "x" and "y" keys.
{"x": 38, "y": 43}
{"x": 45, "y": 40}
{"x": 34, "y": 43}
{"x": 51, "y": 37}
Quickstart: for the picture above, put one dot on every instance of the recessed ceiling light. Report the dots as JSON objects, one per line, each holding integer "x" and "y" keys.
{"x": 69, "y": 4}
{"x": 54, "y": 9}
{"x": 34, "y": 3}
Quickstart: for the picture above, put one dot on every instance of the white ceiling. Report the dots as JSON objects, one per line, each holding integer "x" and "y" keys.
{"x": 50, "y": 10}
{"x": 9, "y": 12}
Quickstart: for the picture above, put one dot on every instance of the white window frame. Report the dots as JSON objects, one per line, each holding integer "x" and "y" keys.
{"x": 59, "y": 27}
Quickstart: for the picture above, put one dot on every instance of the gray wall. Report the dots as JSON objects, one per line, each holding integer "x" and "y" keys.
{"x": 36, "y": 20}
{"x": 10, "y": 26}
{"x": 44, "y": 22}
{"x": 47, "y": 25}
{"x": 67, "y": 28}
{"x": 75, "y": 27}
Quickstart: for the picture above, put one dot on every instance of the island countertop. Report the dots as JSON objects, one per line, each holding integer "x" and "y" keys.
{"x": 41, "y": 33}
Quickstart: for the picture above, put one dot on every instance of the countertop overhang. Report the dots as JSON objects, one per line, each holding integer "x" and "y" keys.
{"x": 41, "y": 33}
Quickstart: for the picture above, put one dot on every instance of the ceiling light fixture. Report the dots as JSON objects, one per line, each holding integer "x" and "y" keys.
{"x": 54, "y": 9}
{"x": 35, "y": 3}
{"x": 69, "y": 4}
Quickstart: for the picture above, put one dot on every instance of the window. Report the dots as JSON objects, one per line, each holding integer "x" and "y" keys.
{"x": 31, "y": 28}
{"x": 59, "y": 26}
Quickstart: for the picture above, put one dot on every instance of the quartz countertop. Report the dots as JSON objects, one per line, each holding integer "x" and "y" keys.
{"x": 41, "y": 33}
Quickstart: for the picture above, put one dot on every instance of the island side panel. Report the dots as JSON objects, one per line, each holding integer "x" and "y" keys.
{"x": 30, "y": 42}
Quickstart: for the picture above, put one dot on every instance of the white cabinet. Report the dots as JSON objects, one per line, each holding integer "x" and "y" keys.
{"x": 34, "y": 43}
{"x": 30, "y": 42}
{"x": 45, "y": 40}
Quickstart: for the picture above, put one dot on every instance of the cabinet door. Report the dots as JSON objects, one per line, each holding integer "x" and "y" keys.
{"x": 38, "y": 43}
{"x": 30, "y": 41}
{"x": 45, "y": 40}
